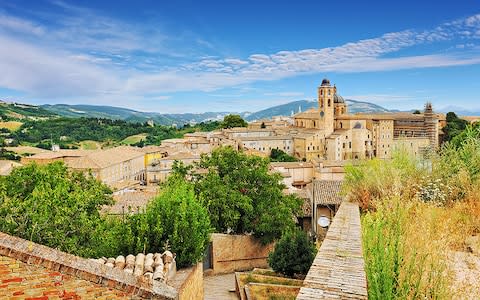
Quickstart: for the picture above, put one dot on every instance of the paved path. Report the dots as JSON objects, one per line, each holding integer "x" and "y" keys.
{"x": 218, "y": 287}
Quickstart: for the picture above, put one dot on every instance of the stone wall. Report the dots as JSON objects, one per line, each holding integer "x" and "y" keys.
{"x": 189, "y": 283}
{"x": 238, "y": 253}
{"x": 338, "y": 271}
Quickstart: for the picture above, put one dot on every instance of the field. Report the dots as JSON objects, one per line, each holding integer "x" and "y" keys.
{"x": 90, "y": 145}
{"x": 134, "y": 138}
{"x": 11, "y": 125}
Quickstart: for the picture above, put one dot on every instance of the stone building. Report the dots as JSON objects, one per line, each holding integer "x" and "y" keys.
{"x": 111, "y": 166}
{"x": 330, "y": 133}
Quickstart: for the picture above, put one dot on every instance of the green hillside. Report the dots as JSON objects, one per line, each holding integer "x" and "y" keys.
{"x": 17, "y": 111}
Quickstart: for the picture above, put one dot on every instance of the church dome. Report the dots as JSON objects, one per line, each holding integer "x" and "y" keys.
{"x": 338, "y": 99}
{"x": 325, "y": 82}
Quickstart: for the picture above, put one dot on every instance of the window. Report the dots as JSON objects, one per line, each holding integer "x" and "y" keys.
{"x": 329, "y": 92}
{"x": 329, "y": 102}
{"x": 350, "y": 145}
{"x": 341, "y": 125}
{"x": 343, "y": 145}
{"x": 321, "y": 92}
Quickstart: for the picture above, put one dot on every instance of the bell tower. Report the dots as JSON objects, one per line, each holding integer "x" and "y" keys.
{"x": 326, "y": 93}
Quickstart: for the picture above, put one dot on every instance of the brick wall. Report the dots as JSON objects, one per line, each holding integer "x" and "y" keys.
{"x": 238, "y": 253}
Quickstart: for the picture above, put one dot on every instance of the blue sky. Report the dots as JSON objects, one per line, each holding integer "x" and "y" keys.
{"x": 194, "y": 56}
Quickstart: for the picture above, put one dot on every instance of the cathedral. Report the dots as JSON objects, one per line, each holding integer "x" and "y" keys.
{"x": 331, "y": 133}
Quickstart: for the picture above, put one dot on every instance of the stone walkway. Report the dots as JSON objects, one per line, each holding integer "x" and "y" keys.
{"x": 219, "y": 287}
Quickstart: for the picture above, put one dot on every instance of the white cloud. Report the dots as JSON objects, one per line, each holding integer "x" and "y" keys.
{"x": 97, "y": 58}
{"x": 20, "y": 26}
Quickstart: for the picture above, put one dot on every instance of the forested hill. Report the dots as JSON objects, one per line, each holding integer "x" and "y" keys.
{"x": 18, "y": 111}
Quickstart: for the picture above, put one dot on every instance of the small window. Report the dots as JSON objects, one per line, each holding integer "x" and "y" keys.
{"x": 329, "y": 102}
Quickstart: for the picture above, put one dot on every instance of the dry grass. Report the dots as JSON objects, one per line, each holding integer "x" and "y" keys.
{"x": 272, "y": 292}
{"x": 11, "y": 125}
{"x": 413, "y": 219}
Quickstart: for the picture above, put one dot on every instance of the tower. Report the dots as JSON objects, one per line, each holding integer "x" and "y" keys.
{"x": 326, "y": 106}
{"x": 430, "y": 124}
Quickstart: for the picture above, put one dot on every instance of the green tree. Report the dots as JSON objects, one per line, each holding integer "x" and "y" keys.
{"x": 417, "y": 112}
{"x": 454, "y": 126}
{"x": 279, "y": 155}
{"x": 53, "y": 206}
{"x": 174, "y": 217}
{"x": 231, "y": 121}
{"x": 242, "y": 196}
{"x": 293, "y": 253}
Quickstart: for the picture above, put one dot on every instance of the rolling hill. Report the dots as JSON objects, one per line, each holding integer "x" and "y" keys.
{"x": 18, "y": 111}
{"x": 112, "y": 112}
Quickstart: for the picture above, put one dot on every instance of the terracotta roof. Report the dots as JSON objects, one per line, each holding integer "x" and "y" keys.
{"x": 62, "y": 154}
{"x": 30, "y": 270}
{"x": 309, "y": 114}
{"x": 327, "y": 192}
{"x": 266, "y": 138}
{"x": 104, "y": 158}
{"x": 291, "y": 165}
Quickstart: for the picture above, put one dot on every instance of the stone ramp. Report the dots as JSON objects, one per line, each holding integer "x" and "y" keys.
{"x": 338, "y": 271}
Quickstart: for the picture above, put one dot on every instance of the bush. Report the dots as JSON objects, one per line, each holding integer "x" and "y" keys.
{"x": 53, "y": 206}
{"x": 242, "y": 196}
{"x": 293, "y": 254}
{"x": 279, "y": 155}
{"x": 174, "y": 218}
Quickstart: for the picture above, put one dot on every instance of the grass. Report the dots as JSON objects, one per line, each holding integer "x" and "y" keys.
{"x": 413, "y": 218}
{"x": 256, "y": 278}
{"x": 11, "y": 125}
{"x": 134, "y": 138}
{"x": 90, "y": 145}
{"x": 273, "y": 292}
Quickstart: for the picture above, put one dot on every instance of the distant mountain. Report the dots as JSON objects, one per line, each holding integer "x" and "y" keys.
{"x": 112, "y": 112}
{"x": 354, "y": 106}
{"x": 460, "y": 111}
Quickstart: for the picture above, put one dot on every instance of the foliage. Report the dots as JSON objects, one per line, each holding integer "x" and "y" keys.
{"x": 174, "y": 217}
{"x": 53, "y": 206}
{"x": 415, "y": 214}
{"x": 399, "y": 263}
{"x": 67, "y": 131}
{"x": 279, "y": 155}
{"x": 231, "y": 121}
{"x": 293, "y": 253}
{"x": 454, "y": 126}
{"x": 8, "y": 155}
{"x": 242, "y": 196}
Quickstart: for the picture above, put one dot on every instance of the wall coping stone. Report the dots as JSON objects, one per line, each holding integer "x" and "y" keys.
{"x": 338, "y": 271}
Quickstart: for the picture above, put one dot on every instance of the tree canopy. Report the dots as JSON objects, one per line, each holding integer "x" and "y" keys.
{"x": 242, "y": 196}
{"x": 280, "y": 156}
{"x": 53, "y": 206}
{"x": 293, "y": 254}
{"x": 231, "y": 121}
{"x": 454, "y": 126}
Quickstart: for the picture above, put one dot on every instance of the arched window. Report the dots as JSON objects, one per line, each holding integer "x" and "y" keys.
{"x": 314, "y": 124}
{"x": 321, "y": 92}
{"x": 341, "y": 125}
{"x": 329, "y": 92}
{"x": 329, "y": 102}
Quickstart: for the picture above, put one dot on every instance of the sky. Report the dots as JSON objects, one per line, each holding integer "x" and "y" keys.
{"x": 196, "y": 56}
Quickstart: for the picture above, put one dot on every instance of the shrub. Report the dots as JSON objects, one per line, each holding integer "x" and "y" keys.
{"x": 53, "y": 206}
{"x": 293, "y": 254}
{"x": 242, "y": 196}
{"x": 175, "y": 217}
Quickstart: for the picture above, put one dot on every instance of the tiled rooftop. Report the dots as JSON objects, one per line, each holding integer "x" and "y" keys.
{"x": 326, "y": 192}
{"x": 32, "y": 271}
